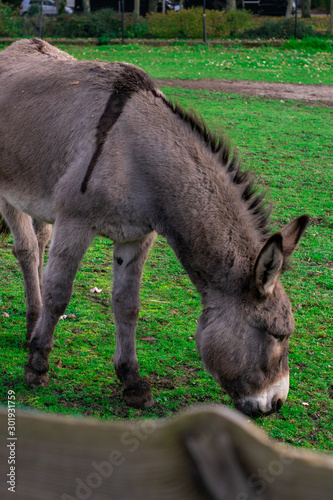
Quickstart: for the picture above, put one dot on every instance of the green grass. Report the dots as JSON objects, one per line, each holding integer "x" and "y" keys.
{"x": 183, "y": 61}
{"x": 289, "y": 146}
{"x": 310, "y": 44}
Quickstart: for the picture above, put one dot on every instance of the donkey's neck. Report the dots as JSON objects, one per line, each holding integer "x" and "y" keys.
{"x": 200, "y": 212}
{"x": 207, "y": 214}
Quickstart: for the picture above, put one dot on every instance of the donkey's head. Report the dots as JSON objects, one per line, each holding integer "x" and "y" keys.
{"x": 243, "y": 336}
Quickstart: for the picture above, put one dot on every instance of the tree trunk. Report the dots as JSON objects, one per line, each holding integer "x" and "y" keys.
{"x": 137, "y": 7}
{"x": 289, "y": 9}
{"x": 86, "y": 6}
{"x": 231, "y": 5}
{"x": 61, "y": 4}
{"x": 152, "y": 5}
{"x": 306, "y": 8}
{"x": 330, "y": 26}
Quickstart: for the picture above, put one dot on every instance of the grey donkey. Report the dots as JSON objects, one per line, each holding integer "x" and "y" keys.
{"x": 95, "y": 148}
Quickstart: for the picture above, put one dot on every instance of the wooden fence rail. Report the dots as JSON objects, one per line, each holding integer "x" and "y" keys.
{"x": 206, "y": 453}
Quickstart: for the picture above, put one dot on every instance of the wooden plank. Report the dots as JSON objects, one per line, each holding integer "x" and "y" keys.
{"x": 205, "y": 453}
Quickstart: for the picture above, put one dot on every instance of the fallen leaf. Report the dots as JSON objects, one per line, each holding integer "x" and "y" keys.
{"x": 64, "y": 316}
{"x": 74, "y": 83}
{"x": 5, "y": 315}
{"x": 58, "y": 363}
{"x": 71, "y": 316}
{"x": 148, "y": 339}
{"x": 95, "y": 290}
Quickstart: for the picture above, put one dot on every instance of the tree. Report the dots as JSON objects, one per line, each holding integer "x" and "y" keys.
{"x": 137, "y": 7}
{"x": 306, "y": 8}
{"x": 289, "y": 9}
{"x": 231, "y": 5}
{"x": 61, "y": 5}
{"x": 86, "y": 6}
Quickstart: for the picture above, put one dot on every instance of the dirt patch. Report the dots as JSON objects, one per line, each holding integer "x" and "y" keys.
{"x": 276, "y": 90}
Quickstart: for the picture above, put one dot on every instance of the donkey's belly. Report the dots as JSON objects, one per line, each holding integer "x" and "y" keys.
{"x": 38, "y": 208}
{"x": 124, "y": 233}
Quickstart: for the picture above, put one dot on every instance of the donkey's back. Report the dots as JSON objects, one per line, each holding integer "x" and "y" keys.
{"x": 22, "y": 49}
{"x": 56, "y": 113}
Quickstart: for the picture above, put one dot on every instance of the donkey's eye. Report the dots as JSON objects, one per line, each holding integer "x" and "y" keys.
{"x": 280, "y": 338}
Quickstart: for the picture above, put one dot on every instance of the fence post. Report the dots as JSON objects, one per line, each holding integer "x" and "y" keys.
{"x": 41, "y": 21}
{"x": 204, "y": 22}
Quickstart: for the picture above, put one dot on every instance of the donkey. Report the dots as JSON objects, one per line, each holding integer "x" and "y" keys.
{"x": 95, "y": 148}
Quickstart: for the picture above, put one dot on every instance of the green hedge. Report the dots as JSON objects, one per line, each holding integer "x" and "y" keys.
{"x": 280, "y": 29}
{"x": 106, "y": 24}
{"x": 323, "y": 4}
{"x": 189, "y": 23}
{"x": 11, "y": 25}
{"x": 103, "y": 24}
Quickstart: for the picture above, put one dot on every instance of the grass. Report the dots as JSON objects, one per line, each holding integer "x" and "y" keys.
{"x": 288, "y": 145}
{"x": 182, "y": 61}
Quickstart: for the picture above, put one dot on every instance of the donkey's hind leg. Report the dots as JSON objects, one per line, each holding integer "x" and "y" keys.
{"x": 129, "y": 259}
{"x": 69, "y": 242}
{"x": 26, "y": 251}
{"x": 43, "y": 231}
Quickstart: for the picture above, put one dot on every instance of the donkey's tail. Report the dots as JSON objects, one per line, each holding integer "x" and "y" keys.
{"x": 4, "y": 229}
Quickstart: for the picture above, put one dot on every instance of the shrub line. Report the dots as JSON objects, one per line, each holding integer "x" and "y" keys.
{"x": 155, "y": 42}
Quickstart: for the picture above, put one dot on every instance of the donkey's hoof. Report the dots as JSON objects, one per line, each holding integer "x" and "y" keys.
{"x": 139, "y": 395}
{"x": 35, "y": 379}
{"x": 138, "y": 401}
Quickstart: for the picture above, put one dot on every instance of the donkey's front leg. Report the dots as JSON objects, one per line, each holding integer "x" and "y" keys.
{"x": 69, "y": 243}
{"x": 129, "y": 259}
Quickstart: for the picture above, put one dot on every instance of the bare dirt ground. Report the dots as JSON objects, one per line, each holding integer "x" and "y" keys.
{"x": 301, "y": 92}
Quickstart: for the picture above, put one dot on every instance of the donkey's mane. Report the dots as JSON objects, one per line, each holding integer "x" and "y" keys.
{"x": 230, "y": 162}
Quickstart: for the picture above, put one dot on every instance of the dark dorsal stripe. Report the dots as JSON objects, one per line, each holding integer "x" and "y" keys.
{"x": 130, "y": 81}
{"x": 111, "y": 114}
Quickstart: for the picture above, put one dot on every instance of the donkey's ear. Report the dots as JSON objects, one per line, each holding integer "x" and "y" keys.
{"x": 268, "y": 266}
{"x": 291, "y": 234}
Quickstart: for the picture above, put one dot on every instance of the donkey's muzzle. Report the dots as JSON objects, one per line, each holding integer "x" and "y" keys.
{"x": 266, "y": 402}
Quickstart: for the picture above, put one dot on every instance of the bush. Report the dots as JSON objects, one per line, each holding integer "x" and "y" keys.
{"x": 10, "y": 23}
{"x": 103, "y": 24}
{"x": 236, "y": 21}
{"x": 106, "y": 24}
{"x": 136, "y": 27}
{"x": 188, "y": 23}
{"x": 281, "y": 29}
{"x": 323, "y": 4}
